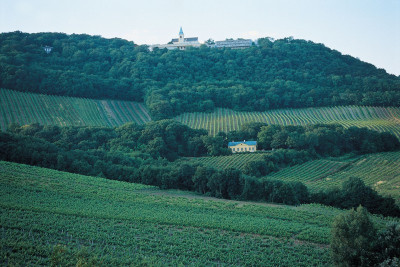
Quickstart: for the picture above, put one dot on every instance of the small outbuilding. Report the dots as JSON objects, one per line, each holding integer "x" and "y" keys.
{"x": 243, "y": 146}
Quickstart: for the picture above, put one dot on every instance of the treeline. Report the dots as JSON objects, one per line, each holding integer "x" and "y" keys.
{"x": 285, "y": 73}
{"x": 146, "y": 153}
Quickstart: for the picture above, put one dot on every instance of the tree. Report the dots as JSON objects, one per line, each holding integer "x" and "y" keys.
{"x": 353, "y": 234}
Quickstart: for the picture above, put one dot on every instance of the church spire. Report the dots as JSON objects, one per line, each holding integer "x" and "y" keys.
{"x": 181, "y": 32}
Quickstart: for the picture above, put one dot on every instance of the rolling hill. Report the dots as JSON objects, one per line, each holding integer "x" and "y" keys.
{"x": 49, "y": 216}
{"x": 284, "y": 73}
{"x": 27, "y": 108}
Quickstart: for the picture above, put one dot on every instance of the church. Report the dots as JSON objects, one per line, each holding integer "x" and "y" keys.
{"x": 178, "y": 43}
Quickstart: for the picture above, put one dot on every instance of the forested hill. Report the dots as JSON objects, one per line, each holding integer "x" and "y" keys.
{"x": 280, "y": 74}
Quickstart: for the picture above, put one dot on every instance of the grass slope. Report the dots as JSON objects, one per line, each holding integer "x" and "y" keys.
{"x": 26, "y": 108}
{"x": 380, "y": 171}
{"x": 119, "y": 223}
{"x": 224, "y": 120}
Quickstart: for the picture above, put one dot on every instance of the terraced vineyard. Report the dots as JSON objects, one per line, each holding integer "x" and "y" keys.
{"x": 236, "y": 161}
{"x": 26, "y": 108}
{"x": 224, "y": 120}
{"x": 380, "y": 171}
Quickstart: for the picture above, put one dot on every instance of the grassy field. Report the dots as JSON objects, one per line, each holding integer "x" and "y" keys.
{"x": 26, "y": 108}
{"x": 49, "y": 216}
{"x": 225, "y": 120}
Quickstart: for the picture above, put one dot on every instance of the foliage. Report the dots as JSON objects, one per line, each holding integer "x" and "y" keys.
{"x": 146, "y": 154}
{"x": 352, "y": 238}
{"x": 281, "y": 74}
{"x": 356, "y": 241}
{"x": 354, "y": 193}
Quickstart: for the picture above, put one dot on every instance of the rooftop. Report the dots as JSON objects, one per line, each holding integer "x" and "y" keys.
{"x": 249, "y": 143}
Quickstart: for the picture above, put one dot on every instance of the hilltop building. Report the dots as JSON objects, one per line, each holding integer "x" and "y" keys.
{"x": 243, "y": 146}
{"x": 234, "y": 44}
{"x": 180, "y": 43}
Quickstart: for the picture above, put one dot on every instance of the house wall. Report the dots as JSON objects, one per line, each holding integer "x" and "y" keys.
{"x": 243, "y": 148}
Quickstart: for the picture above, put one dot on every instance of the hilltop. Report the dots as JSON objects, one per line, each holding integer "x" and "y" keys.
{"x": 285, "y": 73}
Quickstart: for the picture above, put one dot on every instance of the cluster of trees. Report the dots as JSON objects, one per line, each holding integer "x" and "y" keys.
{"x": 280, "y": 74}
{"x": 356, "y": 241}
{"x": 321, "y": 139}
{"x": 353, "y": 193}
{"x": 145, "y": 154}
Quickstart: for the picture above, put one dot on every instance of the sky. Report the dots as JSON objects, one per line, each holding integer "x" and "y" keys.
{"x": 366, "y": 29}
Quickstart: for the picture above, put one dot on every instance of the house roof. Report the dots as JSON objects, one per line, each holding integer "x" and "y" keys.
{"x": 249, "y": 143}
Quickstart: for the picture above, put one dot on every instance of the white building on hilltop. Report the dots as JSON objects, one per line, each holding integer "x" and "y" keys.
{"x": 178, "y": 43}
{"x": 234, "y": 44}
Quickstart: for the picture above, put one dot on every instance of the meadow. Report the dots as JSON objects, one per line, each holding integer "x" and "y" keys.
{"x": 26, "y": 108}
{"x": 381, "y": 119}
{"x": 49, "y": 216}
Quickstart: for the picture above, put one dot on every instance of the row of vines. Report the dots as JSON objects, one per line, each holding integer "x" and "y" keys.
{"x": 225, "y": 120}
{"x": 41, "y": 209}
{"x": 26, "y": 108}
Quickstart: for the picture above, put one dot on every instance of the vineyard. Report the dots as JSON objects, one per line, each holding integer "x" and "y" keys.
{"x": 26, "y": 108}
{"x": 45, "y": 213}
{"x": 380, "y": 171}
{"x": 236, "y": 161}
{"x": 224, "y": 120}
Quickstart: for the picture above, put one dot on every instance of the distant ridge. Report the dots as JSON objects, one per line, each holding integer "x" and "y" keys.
{"x": 25, "y": 108}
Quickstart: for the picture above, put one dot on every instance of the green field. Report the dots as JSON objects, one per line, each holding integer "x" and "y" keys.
{"x": 236, "y": 161}
{"x": 119, "y": 223}
{"x": 26, "y": 108}
{"x": 381, "y": 171}
{"x": 224, "y": 120}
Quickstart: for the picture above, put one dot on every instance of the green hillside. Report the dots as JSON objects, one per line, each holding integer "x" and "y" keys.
{"x": 284, "y": 73}
{"x": 44, "y": 211}
{"x": 381, "y": 171}
{"x": 27, "y": 108}
{"x": 224, "y": 120}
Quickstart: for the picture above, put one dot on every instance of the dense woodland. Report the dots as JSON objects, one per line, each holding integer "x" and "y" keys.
{"x": 279, "y": 74}
{"x": 152, "y": 154}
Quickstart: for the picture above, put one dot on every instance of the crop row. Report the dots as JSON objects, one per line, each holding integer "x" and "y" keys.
{"x": 225, "y": 120}
{"x": 41, "y": 208}
{"x": 236, "y": 161}
{"x": 25, "y": 108}
{"x": 380, "y": 171}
